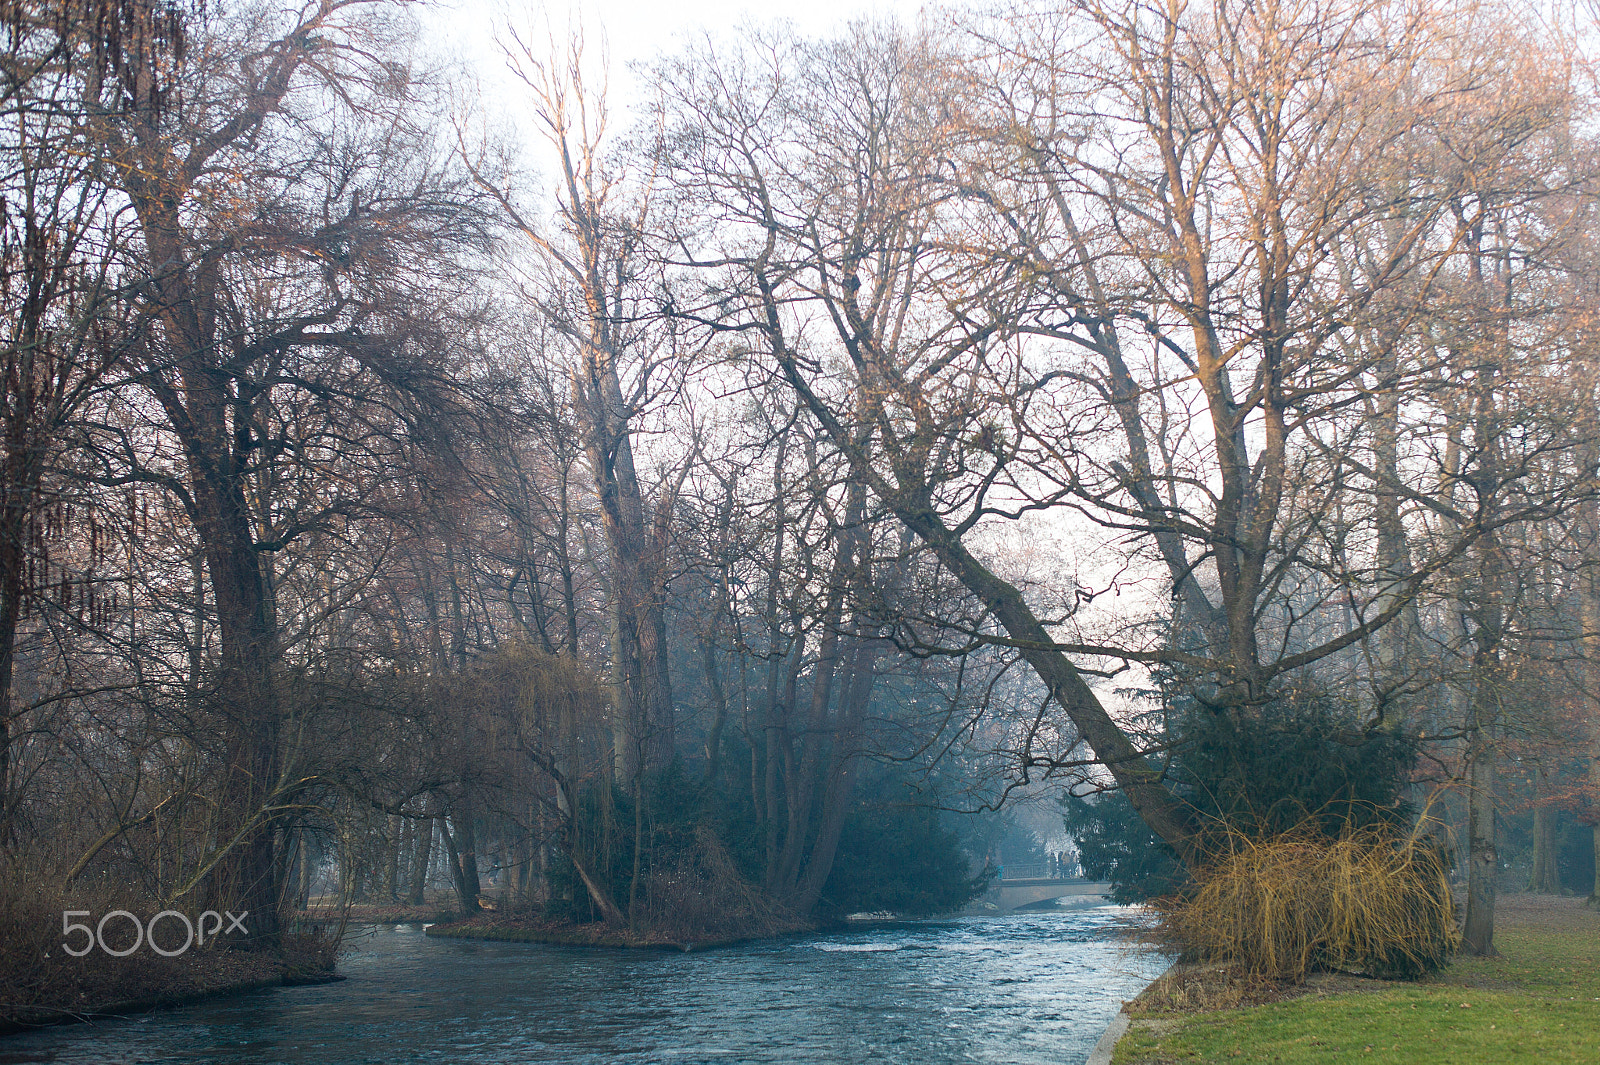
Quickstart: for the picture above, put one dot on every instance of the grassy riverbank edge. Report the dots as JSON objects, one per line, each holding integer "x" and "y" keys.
{"x": 512, "y": 930}
{"x": 205, "y": 977}
{"x": 1538, "y": 1002}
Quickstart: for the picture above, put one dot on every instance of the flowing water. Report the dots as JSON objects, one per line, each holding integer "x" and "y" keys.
{"x": 1025, "y": 988}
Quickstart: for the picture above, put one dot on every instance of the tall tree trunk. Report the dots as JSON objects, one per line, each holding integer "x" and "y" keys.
{"x": 310, "y": 857}
{"x": 764, "y": 798}
{"x": 779, "y": 750}
{"x": 422, "y": 855}
{"x": 1594, "y": 836}
{"x": 1393, "y": 643}
{"x": 161, "y": 154}
{"x": 13, "y": 523}
{"x": 459, "y": 842}
{"x": 1545, "y": 878}
{"x": 569, "y": 596}
{"x": 1140, "y": 780}
{"x": 392, "y": 840}
{"x": 609, "y": 912}
{"x": 1589, "y": 591}
{"x": 719, "y": 705}
{"x": 249, "y": 704}
{"x": 463, "y": 833}
{"x": 1483, "y": 858}
{"x": 1490, "y": 273}
{"x": 801, "y": 776}
{"x": 1488, "y": 612}
{"x": 19, "y": 489}
{"x": 839, "y": 785}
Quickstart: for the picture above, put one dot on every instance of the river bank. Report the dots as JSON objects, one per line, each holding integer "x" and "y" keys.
{"x": 69, "y": 990}
{"x": 43, "y": 987}
{"x": 1538, "y": 1002}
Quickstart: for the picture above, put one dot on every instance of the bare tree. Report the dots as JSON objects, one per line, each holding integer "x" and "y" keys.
{"x": 597, "y": 276}
{"x": 229, "y": 345}
{"x": 61, "y": 297}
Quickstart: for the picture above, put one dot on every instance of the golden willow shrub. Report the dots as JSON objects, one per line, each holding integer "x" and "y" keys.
{"x": 1283, "y": 906}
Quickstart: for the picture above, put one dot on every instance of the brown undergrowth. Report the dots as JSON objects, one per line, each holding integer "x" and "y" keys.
{"x": 42, "y": 983}
{"x": 703, "y": 897}
{"x": 699, "y": 901}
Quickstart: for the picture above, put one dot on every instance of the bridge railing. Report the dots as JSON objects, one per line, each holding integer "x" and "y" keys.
{"x": 1038, "y": 871}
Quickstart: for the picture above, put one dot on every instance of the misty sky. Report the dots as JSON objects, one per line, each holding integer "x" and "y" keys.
{"x": 633, "y": 29}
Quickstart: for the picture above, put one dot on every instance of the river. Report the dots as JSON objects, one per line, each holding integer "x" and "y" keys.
{"x": 1024, "y": 988}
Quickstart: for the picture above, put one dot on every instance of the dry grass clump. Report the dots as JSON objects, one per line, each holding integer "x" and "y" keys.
{"x": 1205, "y": 989}
{"x": 1282, "y": 906}
{"x": 310, "y": 954}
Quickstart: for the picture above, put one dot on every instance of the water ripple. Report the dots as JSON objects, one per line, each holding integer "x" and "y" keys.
{"x": 1021, "y": 990}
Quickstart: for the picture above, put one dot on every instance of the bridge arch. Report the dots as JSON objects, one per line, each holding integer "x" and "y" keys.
{"x": 1012, "y": 894}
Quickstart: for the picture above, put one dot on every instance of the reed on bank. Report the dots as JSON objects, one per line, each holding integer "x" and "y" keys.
{"x": 1283, "y": 906}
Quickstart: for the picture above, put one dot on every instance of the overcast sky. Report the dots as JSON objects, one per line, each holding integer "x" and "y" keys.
{"x": 632, "y": 29}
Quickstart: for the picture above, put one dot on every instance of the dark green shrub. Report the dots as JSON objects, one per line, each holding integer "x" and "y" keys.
{"x": 1297, "y": 763}
{"x": 897, "y": 855}
{"x": 1115, "y": 845}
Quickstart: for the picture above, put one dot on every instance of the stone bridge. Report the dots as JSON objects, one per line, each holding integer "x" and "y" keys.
{"x": 1016, "y": 892}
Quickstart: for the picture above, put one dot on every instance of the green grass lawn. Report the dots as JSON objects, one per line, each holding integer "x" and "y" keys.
{"x": 1538, "y": 1002}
